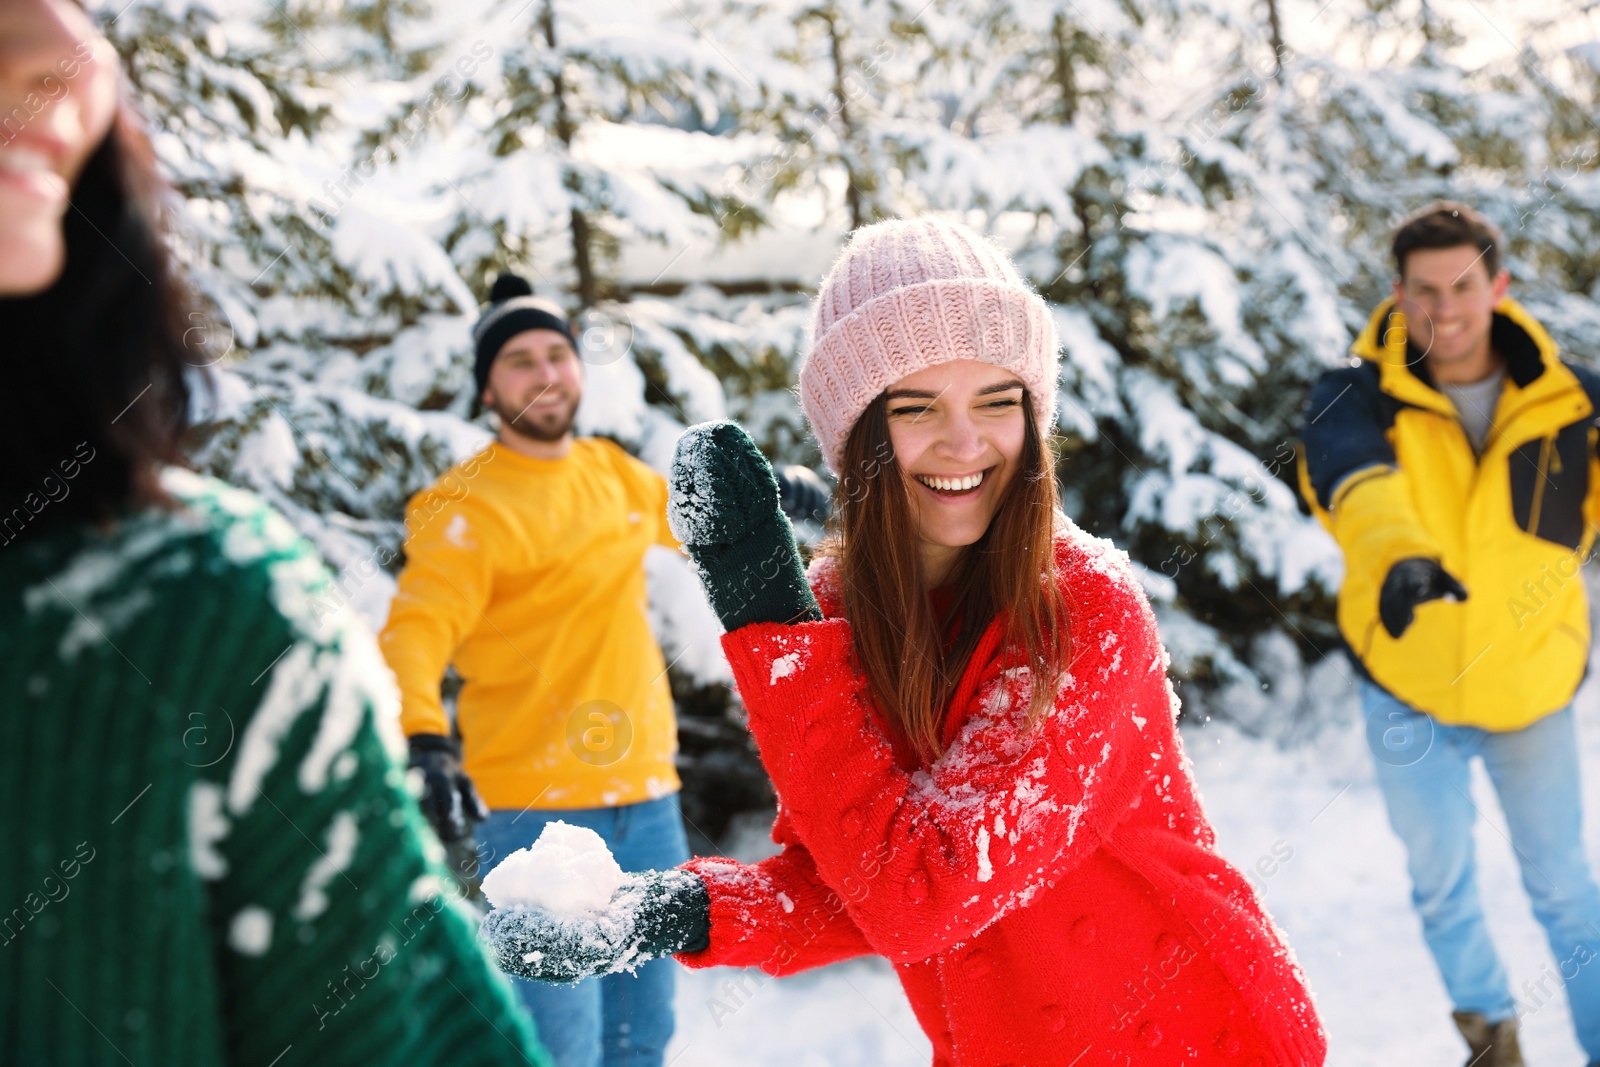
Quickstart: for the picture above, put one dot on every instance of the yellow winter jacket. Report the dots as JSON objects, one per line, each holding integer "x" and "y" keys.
{"x": 528, "y": 575}
{"x": 1390, "y": 472}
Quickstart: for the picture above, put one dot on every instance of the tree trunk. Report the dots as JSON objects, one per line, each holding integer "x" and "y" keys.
{"x": 566, "y": 131}
{"x": 1275, "y": 36}
{"x": 852, "y": 189}
{"x": 1080, "y": 209}
{"x": 1066, "y": 78}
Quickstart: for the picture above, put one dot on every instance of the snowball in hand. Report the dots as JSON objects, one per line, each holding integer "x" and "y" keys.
{"x": 567, "y": 871}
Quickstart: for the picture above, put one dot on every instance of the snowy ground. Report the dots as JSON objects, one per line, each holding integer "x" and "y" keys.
{"x": 1342, "y": 897}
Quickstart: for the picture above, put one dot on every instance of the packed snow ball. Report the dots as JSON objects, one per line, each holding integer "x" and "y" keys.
{"x": 568, "y": 871}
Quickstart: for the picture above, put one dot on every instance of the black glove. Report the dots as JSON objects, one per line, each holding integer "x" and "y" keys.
{"x": 802, "y": 494}
{"x": 449, "y": 798}
{"x": 723, "y": 506}
{"x": 1410, "y": 582}
{"x": 651, "y": 915}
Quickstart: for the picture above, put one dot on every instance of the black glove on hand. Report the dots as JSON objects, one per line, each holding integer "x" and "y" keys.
{"x": 802, "y": 494}
{"x": 723, "y": 506}
{"x": 1411, "y": 582}
{"x": 448, "y": 798}
{"x": 651, "y": 915}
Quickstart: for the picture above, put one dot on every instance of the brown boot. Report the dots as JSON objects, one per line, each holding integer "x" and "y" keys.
{"x": 1491, "y": 1045}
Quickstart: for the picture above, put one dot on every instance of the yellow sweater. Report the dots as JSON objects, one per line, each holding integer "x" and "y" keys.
{"x": 528, "y": 575}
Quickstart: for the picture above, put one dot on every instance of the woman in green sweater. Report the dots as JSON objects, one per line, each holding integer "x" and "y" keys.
{"x": 210, "y": 856}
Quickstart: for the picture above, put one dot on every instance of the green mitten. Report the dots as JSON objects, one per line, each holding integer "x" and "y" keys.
{"x": 723, "y": 506}
{"x": 651, "y": 915}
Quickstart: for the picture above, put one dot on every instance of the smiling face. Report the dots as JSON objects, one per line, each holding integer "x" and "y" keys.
{"x": 957, "y": 429}
{"x": 58, "y": 88}
{"x": 1448, "y": 298}
{"x": 535, "y": 384}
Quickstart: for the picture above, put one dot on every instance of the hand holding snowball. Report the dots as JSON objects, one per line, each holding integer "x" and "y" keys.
{"x": 564, "y": 910}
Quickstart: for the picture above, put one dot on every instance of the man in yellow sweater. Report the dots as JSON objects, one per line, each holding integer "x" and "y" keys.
{"x": 525, "y": 569}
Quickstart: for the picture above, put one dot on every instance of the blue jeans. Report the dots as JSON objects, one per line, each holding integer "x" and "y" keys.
{"x": 618, "y": 1020}
{"x": 1423, "y": 769}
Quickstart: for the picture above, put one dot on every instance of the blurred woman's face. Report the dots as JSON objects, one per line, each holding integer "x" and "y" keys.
{"x": 58, "y": 90}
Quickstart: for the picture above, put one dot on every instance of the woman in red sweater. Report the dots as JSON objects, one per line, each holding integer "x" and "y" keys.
{"x": 964, "y": 711}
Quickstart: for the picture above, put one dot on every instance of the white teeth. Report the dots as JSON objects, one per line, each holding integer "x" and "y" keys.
{"x": 952, "y": 485}
{"x": 23, "y": 159}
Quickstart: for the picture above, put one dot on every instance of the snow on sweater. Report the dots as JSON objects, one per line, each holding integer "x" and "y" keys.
{"x": 1047, "y": 898}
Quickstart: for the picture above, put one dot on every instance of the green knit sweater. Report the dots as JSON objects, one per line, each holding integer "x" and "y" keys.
{"x": 207, "y": 851}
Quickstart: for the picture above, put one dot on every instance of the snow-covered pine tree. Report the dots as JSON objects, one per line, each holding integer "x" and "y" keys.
{"x": 256, "y": 113}
{"x": 1210, "y": 283}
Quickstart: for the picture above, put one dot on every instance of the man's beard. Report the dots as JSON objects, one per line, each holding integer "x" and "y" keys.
{"x": 546, "y": 426}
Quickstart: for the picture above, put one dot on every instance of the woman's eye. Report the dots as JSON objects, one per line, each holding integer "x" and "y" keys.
{"x": 913, "y": 410}
{"x": 1002, "y": 404}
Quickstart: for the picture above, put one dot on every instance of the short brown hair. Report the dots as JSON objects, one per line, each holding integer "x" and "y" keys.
{"x": 1447, "y": 224}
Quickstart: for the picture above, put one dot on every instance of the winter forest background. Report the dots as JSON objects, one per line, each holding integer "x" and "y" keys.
{"x": 1201, "y": 188}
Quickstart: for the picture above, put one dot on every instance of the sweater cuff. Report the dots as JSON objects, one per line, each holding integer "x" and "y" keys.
{"x": 738, "y": 893}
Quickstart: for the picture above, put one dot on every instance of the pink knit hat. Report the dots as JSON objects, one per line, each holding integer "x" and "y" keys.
{"x": 912, "y": 293}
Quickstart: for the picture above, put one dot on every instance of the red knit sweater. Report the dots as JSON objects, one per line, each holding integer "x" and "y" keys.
{"x": 1048, "y": 900}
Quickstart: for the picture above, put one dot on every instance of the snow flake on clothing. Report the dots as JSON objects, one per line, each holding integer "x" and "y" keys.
{"x": 294, "y": 684}
{"x": 457, "y": 532}
{"x": 985, "y": 867}
{"x": 358, "y": 679}
{"x": 702, "y": 508}
{"x": 426, "y": 888}
{"x": 336, "y": 856}
{"x": 250, "y": 932}
{"x": 208, "y": 826}
{"x": 791, "y": 658}
{"x": 784, "y": 666}
{"x": 693, "y": 509}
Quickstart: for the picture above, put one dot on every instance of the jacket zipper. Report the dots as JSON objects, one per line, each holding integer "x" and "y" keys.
{"x": 1538, "y": 487}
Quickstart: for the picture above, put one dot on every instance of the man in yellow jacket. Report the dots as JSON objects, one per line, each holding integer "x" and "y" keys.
{"x": 524, "y": 568}
{"x": 1455, "y": 462}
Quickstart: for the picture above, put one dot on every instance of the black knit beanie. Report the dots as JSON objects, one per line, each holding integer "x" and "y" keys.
{"x": 512, "y": 309}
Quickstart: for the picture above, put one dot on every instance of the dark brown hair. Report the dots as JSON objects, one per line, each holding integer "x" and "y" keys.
{"x": 99, "y": 376}
{"x": 911, "y": 665}
{"x": 1447, "y": 224}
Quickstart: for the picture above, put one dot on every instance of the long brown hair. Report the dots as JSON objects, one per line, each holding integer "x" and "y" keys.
{"x": 911, "y": 665}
